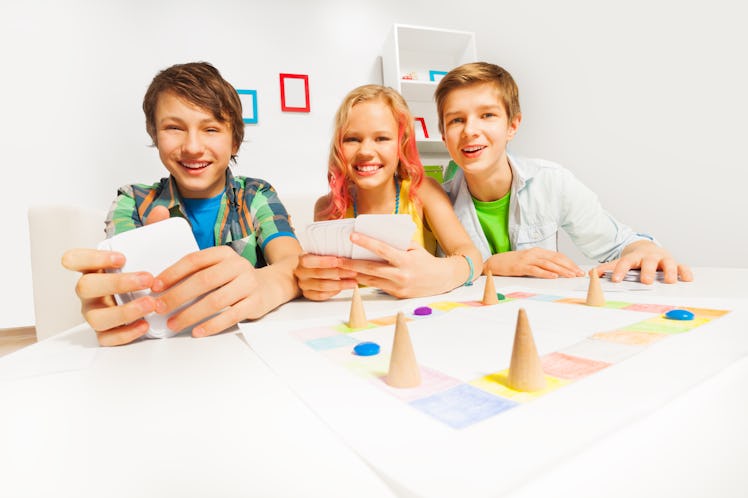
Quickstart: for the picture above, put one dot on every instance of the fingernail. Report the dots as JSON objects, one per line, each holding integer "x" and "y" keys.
{"x": 354, "y": 237}
{"x": 117, "y": 259}
{"x": 158, "y": 285}
{"x": 160, "y": 306}
{"x": 198, "y": 332}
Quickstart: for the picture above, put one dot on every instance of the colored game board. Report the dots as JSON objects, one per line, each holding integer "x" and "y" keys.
{"x": 459, "y": 397}
{"x": 462, "y": 432}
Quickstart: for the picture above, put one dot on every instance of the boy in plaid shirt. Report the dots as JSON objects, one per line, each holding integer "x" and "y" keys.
{"x": 248, "y": 247}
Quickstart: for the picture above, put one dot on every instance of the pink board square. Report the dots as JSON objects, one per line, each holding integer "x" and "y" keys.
{"x": 570, "y": 367}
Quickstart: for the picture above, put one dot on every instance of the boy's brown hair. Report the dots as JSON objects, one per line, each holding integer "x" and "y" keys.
{"x": 201, "y": 84}
{"x": 476, "y": 73}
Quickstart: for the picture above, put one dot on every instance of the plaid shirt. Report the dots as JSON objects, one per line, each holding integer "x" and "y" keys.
{"x": 250, "y": 214}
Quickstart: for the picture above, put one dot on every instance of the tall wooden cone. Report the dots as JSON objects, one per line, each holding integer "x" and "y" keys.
{"x": 489, "y": 291}
{"x": 404, "y": 371}
{"x": 525, "y": 370}
{"x": 595, "y": 296}
{"x": 357, "y": 318}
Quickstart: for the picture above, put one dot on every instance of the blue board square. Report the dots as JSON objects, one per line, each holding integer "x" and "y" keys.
{"x": 331, "y": 342}
{"x": 462, "y": 405}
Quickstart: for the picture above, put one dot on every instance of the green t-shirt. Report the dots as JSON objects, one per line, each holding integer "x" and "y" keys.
{"x": 494, "y": 219}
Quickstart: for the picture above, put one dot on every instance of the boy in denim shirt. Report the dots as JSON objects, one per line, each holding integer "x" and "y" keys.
{"x": 513, "y": 207}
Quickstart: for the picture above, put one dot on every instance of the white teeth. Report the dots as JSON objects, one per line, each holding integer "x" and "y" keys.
{"x": 367, "y": 168}
{"x": 194, "y": 165}
{"x": 473, "y": 148}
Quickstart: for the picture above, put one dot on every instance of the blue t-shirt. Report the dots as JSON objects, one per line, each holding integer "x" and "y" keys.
{"x": 202, "y": 214}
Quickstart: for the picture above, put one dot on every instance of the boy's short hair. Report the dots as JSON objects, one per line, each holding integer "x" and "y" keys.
{"x": 201, "y": 84}
{"x": 475, "y": 73}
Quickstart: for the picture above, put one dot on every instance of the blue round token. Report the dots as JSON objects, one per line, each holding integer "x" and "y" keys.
{"x": 679, "y": 315}
{"x": 366, "y": 348}
{"x": 422, "y": 311}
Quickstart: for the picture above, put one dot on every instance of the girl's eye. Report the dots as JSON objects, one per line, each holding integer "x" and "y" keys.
{"x": 350, "y": 139}
{"x": 382, "y": 139}
{"x": 489, "y": 115}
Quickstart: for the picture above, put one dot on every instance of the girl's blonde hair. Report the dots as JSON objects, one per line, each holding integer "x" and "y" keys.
{"x": 409, "y": 164}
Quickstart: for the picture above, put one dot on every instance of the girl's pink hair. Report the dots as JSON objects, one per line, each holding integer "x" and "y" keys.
{"x": 409, "y": 164}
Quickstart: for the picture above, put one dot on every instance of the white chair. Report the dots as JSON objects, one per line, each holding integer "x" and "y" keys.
{"x": 53, "y": 229}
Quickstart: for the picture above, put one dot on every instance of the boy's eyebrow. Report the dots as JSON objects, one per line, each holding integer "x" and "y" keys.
{"x": 479, "y": 108}
{"x": 202, "y": 121}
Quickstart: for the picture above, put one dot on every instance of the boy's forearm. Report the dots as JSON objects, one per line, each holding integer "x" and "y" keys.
{"x": 281, "y": 285}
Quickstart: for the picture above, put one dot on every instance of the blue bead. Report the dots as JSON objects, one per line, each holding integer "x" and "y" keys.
{"x": 366, "y": 349}
{"x": 679, "y": 315}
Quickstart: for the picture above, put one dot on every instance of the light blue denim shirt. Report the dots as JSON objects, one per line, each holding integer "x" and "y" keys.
{"x": 546, "y": 197}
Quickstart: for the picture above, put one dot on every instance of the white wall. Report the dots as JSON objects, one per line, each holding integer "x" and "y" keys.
{"x": 645, "y": 101}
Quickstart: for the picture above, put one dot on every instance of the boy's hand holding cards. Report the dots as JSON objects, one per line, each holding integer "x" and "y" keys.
{"x": 153, "y": 248}
{"x": 333, "y": 238}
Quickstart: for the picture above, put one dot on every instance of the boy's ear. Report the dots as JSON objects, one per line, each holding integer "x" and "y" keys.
{"x": 514, "y": 126}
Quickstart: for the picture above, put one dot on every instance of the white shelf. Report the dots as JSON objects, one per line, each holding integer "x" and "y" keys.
{"x": 415, "y": 51}
{"x": 431, "y": 146}
{"x": 417, "y": 90}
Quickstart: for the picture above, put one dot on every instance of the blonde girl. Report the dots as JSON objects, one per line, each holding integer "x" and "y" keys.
{"x": 374, "y": 168}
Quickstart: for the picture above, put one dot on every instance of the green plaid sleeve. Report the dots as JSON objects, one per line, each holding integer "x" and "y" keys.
{"x": 123, "y": 214}
{"x": 269, "y": 216}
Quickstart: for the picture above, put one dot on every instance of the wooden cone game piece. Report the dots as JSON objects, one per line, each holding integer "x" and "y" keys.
{"x": 489, "y": 291}
{"x": 357, "y": 318}
{"x": 595, "y": 295}
{"x": 525, "y": 370}
{"x": 404, "y": 371}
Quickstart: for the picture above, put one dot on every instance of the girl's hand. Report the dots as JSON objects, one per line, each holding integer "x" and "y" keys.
{"x": 320, "y": 277}
{"x": 410, "y": 273}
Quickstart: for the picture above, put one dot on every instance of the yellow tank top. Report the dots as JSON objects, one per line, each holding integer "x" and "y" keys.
{"x": 423, "y": 235}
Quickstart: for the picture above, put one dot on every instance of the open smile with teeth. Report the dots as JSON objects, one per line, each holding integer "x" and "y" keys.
{"x": 198, "y": 165}
{"x": 368, "y": 168}
{"x": 473, "y": 148}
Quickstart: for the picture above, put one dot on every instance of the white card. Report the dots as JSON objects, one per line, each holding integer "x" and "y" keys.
{"x": 333, "y": 238}
{"x": 153, "y": 248}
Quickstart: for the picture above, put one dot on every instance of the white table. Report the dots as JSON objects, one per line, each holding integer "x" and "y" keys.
{"x": 187, "y": 417}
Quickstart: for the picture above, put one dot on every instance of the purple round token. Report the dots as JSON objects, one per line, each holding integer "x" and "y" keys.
{"x": 422, "y": 310}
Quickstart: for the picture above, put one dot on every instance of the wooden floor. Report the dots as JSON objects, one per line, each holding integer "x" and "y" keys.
{"x": 17, "y": 338}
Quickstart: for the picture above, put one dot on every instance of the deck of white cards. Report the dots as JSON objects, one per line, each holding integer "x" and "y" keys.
{"x": 153, "y": 248}
{"x": 333, "y": 238}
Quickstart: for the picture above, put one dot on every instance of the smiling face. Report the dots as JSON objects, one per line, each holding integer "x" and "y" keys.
{"x": 370, "y": 145}
{"x": 477, "y": 129}
{"x": 193, "y": 145}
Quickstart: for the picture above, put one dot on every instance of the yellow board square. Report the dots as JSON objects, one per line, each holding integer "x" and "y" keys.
{"x": 496, "y": 383}
{"x": 446, "y": 305}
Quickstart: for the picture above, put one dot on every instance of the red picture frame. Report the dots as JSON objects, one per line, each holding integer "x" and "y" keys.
{"x": 423, "y": 126}
{"x": 291, "y": 93}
